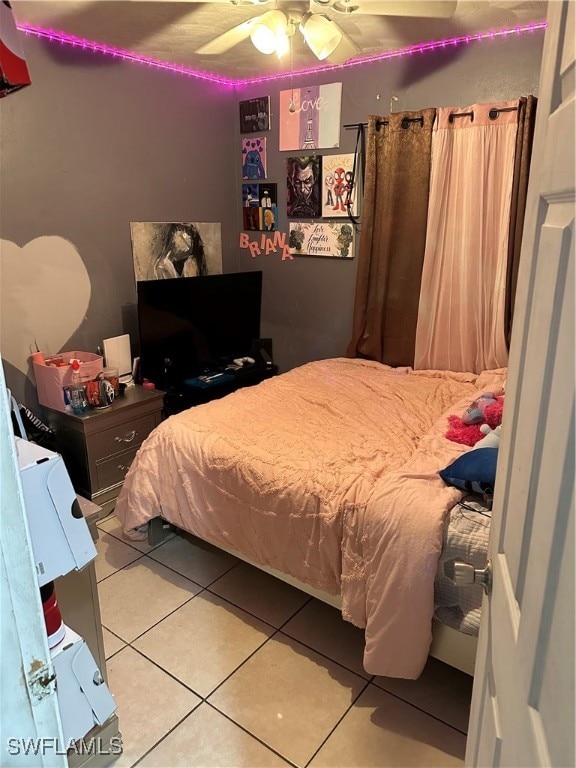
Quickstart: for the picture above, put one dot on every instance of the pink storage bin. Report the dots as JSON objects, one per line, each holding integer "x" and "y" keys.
{"x": 50, "y": 379}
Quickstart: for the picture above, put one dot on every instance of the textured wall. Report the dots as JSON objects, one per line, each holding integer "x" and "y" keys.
{"x": 308, "y": 302}
{"x": 95, "y": 143}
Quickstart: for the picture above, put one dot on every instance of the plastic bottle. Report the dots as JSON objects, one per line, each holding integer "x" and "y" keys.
{"x": 77, "y": 390}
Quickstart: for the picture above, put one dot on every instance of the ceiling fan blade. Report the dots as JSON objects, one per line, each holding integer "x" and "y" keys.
{"x": 432, "y": 9}
{"x": 228, "y": 39}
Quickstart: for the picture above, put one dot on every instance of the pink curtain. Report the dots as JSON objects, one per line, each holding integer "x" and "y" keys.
{"x": 462, "y": 301}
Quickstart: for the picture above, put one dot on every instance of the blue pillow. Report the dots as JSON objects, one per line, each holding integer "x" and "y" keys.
{"x": 474, "y": 471}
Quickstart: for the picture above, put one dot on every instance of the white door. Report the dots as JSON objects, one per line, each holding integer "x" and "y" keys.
{"x": 523, "y": 699}
{"x": 30, "y": 726}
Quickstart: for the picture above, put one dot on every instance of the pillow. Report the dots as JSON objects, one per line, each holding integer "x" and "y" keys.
{"x": 473, "y": 471}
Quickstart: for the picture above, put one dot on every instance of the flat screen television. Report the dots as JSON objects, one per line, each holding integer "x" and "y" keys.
{"x": 188, "y": 325}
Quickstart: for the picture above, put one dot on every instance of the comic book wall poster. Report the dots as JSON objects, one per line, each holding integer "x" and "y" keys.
{"x": 328, "y": 239}
{"x": 303, "y": 185}
{"x": 254, "y": 158}
{"x": 255, "y": 115}
{"x": 337, "y": 187}
{"x": 310, "y": 117}
{"x": 260, "y": 207}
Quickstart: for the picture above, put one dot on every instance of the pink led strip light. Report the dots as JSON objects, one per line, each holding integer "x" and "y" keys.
{"x": 136, "y": 57}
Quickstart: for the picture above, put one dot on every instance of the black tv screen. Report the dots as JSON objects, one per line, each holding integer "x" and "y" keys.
{"x": 188, "y": 325}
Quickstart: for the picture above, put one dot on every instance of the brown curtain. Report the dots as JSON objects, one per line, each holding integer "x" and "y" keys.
{"x": 393, "y": 237}
{"x": 523, "y": 153}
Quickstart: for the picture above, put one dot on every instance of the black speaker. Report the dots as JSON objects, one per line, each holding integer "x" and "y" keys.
{"x": 262, "y": 352}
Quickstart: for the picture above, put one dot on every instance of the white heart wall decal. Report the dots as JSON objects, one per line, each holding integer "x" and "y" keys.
{"x": 44, "y": 295}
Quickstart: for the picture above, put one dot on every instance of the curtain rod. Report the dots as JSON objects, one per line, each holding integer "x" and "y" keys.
{"x": 379, "y": 123}
{"x": 494, "y": 114}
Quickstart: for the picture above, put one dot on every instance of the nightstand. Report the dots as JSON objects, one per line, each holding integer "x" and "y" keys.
{"x": 99, "y": 446}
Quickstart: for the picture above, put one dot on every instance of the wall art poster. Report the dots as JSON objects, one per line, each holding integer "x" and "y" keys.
{"x": 310, "y": 117}
{"x": 255, "y": 115}
{"x": 337, "y": 187}
{"x": 254, "y": 158}
{"x": 175, "y": 249}
{"x": 260, "y": 207}
{"x": 303, "y": 185}
{"x": 330, "y": 239}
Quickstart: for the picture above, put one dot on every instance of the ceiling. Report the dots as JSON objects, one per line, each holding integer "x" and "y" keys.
{"x": 173, "y": 31}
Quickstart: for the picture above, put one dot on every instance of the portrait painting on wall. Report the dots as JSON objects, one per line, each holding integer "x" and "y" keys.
{"x": 260, "y": 206}
{"x": 338, "y": 188}
{"x": 303, "y": 187}
{"x": 328, "y": 239}
{"x": 310, "y": 117}
{"x": 255, "y": 115}
{"x": 175, "y": 249}
{"x": 254, "y": 158}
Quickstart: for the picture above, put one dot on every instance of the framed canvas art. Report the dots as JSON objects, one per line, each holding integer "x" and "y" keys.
{"x": 310, "y": 117}
{"x": 175, "y": 249}
{"x": 254, "y": 158}
{"x": 255, "y": 115}
{"x": 332, "y": 240}
{"x": 260, "y": 207}
{"x": 337, "y": 187}
{"x": 303, "y": 187}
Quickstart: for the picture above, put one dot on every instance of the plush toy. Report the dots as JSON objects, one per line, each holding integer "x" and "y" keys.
{"x": 475, "y": 413}
{"x": 466, "y": 434}
{"x": 491, "y": 437}
{"x": 471, "y": 434}
{"x": 493, "y": 413}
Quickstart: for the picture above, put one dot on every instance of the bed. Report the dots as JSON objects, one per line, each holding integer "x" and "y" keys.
{"x": 327, "y": 475}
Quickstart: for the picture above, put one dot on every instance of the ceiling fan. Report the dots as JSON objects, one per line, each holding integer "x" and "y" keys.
{"x": 272, "y": 31}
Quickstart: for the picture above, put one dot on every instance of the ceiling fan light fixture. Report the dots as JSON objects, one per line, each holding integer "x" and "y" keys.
{"x": 282, "y": 45}
{"x": 268, "y": 35}
{"x": 321, "y": 34}
{"x": 344, "y": 6}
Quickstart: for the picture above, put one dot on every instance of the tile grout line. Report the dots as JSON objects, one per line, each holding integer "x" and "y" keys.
{"x": 255, "y": 616}
{"x": 340, "y": 719}
{"x": 253, "y": 735}
{"x": 103, "y": 579}
{"x": 170, "y": 568}
{"x": 170, "y": 674}
{"x": 204, "y": 700}
{"x": 127, "y": 541}
{"x": 277, "y": 630}
{"x": 161, "y": 739}
{"x": 129, "y": 642}
{"x": 423, "y": 711}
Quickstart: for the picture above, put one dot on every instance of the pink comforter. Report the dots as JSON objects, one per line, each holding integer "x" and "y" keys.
{"x": 327, "y": 473}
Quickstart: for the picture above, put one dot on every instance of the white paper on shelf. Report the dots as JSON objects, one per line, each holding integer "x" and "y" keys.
{"x": 117, "y": 354}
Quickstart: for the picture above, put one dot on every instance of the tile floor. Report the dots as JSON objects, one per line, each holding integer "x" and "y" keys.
{"x": 216, "y": 664}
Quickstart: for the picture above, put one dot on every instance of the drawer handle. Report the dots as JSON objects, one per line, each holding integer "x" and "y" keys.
{"x": 127, "y": 438}
{"x": 123, "y": 468}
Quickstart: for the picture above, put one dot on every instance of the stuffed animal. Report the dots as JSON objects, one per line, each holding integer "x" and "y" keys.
{"x": 491, "y": 437}
{"x": 465, "y": 434}
{"x": 493, "y": 413}
{"x": 471, "y": 434}
{"x": 474, "y": 414}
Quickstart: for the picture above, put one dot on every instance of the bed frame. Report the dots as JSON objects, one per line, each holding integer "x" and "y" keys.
{"x": 448, "y": 645}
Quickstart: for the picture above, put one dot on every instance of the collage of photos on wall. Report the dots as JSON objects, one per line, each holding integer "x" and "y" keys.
{"x": 318, "y": 186}
{"x": 259, "y": 198}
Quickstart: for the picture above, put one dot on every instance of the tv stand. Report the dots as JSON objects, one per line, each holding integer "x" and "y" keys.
{"x": 179, "y": 398}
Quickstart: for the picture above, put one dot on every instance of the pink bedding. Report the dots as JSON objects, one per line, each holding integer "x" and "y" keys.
{"x": 327, "y": 473}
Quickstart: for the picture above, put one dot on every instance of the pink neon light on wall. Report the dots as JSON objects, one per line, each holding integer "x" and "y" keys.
{"x": 432, "y": 45}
